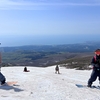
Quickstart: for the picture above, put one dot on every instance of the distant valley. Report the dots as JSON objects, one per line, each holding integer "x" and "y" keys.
{"x": 47, "y": 55}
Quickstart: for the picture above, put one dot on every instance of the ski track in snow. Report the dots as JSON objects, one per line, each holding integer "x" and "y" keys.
{"x": 44, "y": 84}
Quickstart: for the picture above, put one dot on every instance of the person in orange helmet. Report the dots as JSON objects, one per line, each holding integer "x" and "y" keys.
{"x": 96, "y": 68}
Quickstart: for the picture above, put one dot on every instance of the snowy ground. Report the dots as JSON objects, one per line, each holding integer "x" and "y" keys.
{"x": 44, "y": 84}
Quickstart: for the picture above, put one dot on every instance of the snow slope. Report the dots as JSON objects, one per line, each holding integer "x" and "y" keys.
{"x": 44, "y": 84}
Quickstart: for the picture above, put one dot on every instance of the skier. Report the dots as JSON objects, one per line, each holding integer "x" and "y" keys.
{"x": 25, "y": 69}
{"x": 57, "y": 70}
{"x": 2, "y": 79}
{"x": 96, "y": 68}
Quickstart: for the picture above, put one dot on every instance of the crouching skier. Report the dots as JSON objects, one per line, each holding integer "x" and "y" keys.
{"x": 2, "y": 79}
{"x": 25, "y": 69}
{"x": 96, "y": 68}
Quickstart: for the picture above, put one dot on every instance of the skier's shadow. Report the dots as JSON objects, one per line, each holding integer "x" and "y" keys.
{"x": 79, "y": 85}
{"x": 85, "y": 86}
{"x": 11, "y": 87}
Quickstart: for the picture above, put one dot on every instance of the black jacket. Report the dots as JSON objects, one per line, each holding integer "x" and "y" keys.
{"x": 2, "y": 77}
{"x": 96, "y": 62}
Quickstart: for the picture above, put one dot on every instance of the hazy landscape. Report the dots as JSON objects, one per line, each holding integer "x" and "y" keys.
{"x": 69, "y": 55}
{"x": 47, "y": 32}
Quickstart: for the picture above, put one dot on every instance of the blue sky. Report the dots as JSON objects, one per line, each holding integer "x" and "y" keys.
{"x": 38, "y": 22}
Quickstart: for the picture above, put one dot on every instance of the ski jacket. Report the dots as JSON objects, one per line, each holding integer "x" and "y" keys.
{"x": 57, "y": 68}
{"x": 2, "y": 77}
{"x": 96, "y": 62}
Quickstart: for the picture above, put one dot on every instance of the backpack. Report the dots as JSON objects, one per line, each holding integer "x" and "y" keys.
{"x": 57, "y": 68}
{"x": 95, "y": 58}
{"x": 97, "y": 68}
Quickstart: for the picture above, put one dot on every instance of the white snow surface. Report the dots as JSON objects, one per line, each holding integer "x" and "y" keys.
{"x": 44, "y": 84}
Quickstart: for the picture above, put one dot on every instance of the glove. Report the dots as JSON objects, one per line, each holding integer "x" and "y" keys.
{"x": 91, "y": 66}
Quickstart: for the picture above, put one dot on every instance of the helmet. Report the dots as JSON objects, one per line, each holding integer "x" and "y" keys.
{"x": 97, "y": 51}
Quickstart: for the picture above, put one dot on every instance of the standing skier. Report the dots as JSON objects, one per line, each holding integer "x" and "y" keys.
{"x": 96, "y": 68}
{"x": 57, "y": 70}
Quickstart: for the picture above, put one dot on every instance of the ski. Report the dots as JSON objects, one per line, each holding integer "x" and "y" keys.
{"x": 85, "y": 86}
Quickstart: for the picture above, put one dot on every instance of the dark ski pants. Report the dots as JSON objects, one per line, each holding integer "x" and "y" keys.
{"x": 57, "y": 71}
{"x": 94, "y": 76}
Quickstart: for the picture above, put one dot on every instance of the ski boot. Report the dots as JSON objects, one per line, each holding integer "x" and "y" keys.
{"x": 89, "y": 85}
